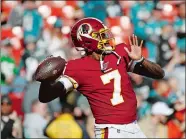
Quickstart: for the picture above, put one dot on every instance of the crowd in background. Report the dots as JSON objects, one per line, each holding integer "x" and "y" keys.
{"x": 33, "y": 30}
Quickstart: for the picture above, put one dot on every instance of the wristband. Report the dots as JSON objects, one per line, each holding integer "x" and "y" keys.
{"x": 140, "y": 60}
{"x": 134, "y": 62}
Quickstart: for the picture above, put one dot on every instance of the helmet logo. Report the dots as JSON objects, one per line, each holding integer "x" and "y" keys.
{"x": 84, "y": 30}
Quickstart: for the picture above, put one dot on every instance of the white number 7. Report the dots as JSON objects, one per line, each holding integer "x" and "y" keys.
{"x": 117, "y": 98}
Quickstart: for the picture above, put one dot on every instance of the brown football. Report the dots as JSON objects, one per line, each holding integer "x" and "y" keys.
{"x": 50, "y": 69}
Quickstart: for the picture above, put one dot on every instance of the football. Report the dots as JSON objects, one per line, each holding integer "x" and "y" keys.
{"x": 50, "y": 69}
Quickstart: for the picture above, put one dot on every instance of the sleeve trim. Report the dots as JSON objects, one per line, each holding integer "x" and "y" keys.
{"x": 67, "y": 83}
{"x": 74, "y": 82}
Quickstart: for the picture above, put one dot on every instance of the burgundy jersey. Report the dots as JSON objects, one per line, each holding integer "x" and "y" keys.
{"x": 110, "y": 95}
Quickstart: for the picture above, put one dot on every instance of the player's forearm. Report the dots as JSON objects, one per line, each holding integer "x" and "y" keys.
{"x": 149, "y": 69}
{"x": 49, "y": 92}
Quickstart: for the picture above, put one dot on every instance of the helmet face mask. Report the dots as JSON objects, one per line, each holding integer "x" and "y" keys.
{"x": 106, "y": 40}
{"x": 92, "y": 35}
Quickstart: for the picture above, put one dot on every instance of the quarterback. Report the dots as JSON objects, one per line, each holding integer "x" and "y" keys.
{"x": 102, "y": 76}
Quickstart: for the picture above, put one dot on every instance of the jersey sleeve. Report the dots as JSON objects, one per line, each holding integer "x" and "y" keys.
{"x": 71, "y": 73}
{"x": 122, "y": 52}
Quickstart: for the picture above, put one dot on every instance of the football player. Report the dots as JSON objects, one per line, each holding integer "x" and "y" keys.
{"x": 102, "y": 76}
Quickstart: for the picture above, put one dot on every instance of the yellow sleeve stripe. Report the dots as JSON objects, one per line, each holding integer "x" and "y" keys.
{"x": 102, "y": 133}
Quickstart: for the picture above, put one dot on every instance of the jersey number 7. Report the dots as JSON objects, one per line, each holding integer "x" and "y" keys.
{"x": 117, "y": 98}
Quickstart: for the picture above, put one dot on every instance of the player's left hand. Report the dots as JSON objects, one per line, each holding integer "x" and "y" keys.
{"x": 136, "y": 52}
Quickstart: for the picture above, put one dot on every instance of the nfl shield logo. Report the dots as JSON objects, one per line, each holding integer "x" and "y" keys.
{"x": 105, "y": 65}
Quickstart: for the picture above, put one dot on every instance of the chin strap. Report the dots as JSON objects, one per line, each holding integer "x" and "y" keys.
{"x": 103, "y": 69}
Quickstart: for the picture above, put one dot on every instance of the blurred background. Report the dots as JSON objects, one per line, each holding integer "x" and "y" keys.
{"x": 33, "y": 30}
